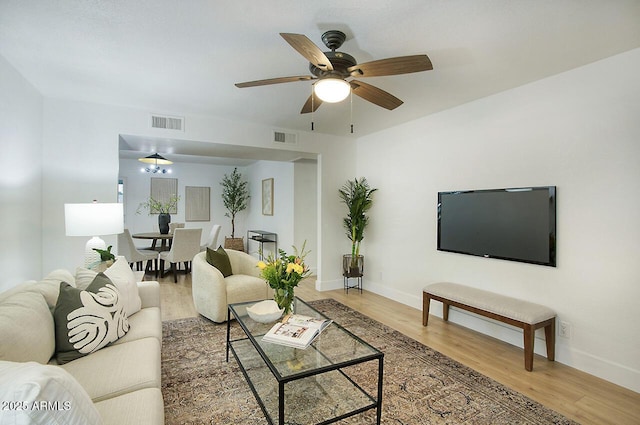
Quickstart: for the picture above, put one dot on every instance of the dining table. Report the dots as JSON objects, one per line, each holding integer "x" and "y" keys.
{"x": 164, "y": 238}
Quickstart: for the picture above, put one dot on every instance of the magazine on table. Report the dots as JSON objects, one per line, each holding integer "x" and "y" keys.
{"x": 296, "y": 330}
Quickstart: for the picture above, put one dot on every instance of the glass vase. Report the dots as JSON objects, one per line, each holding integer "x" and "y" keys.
{"x": 284, "y": 299}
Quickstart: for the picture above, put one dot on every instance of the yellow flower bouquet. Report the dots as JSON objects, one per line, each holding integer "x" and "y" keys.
{"x": 283, "y": 274}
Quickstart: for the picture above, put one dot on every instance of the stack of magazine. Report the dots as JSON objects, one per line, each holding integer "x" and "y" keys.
{"x": 296, "y": 330}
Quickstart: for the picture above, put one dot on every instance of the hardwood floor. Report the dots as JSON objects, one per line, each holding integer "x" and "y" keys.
{"x": 577, "y": 395}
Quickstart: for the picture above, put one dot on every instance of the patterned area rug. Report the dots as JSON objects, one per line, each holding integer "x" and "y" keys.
{"x": 421, "y": 386}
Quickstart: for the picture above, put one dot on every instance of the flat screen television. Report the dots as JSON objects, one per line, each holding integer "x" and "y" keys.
{"x": 517, "y": 224}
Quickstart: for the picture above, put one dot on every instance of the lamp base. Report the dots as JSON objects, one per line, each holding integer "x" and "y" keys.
{"x": 91, "y": 257}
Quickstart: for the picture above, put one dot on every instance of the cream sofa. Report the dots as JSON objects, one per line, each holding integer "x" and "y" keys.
{"x": 212, "y": 292}
{"x": 121, "y": 382}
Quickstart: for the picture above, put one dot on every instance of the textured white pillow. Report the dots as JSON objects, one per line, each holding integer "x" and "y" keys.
{"x": 125, "y": 280}
{"x": 84, "y": 277}
{"x": 122, "y": 276}
{"x": 33, "y": 393}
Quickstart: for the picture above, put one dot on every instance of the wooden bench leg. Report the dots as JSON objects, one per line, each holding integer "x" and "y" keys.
{"x": 550, "y": 339}
{"x": 529, "y": 338}
{"x": 426, "y": 302}
{"x": 445, "y": 311}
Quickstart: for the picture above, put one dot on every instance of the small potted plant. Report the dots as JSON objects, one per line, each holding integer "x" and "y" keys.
{"x": 235, "y": 196}
{"x": 162, "y": 208}
{"x": 106, "y": 259}
{"x": 357, "y": 196}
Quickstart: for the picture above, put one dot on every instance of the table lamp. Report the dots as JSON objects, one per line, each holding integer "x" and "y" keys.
{"x": 95, "y": 220}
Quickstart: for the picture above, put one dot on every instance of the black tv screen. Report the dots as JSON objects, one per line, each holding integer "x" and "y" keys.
{"x": 517, "y": 224}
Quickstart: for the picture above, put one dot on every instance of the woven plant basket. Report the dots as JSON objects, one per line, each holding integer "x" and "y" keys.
{"x": 234, "y": 243}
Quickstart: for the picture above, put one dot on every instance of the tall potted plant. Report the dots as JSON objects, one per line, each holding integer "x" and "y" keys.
{"x": 235, "y": 196}
{"x": 357, "y": 196}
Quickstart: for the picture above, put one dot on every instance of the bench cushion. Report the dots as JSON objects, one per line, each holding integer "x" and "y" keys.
{"x": 513, "y": 308}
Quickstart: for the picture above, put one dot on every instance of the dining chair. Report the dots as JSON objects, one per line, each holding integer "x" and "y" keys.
{"x": 213, "y": 238}
{"x": 186, "y": 244}
{"x": 128, "y": 249}
{"x": 174, "y": 226}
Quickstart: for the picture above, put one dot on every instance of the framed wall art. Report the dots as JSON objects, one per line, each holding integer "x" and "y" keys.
{"x": 162, "y": 190}
{"x": 267, "y": 196}
{"x": 197, "y": 203}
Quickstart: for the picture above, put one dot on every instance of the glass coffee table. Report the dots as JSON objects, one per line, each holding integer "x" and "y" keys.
{"x": 334, "y": 378}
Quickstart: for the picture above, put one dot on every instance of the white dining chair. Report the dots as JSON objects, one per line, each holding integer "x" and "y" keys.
{"x": 174, "y": 226}
{"x": 185, "y": 245}
{"x": 212, "y": 241}
{"x": 128, "y": 249}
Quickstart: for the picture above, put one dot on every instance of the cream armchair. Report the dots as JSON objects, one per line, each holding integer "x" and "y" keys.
{"x": 212, "y": 292}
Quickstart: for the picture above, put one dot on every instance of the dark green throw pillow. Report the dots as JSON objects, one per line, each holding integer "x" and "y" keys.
{"x": 88, "y": 320}
{"x": 220, "y": 260}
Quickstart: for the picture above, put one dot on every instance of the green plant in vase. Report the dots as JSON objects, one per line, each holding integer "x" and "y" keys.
{"x": 283, "y": 274}
{"x": 162, "y": 208}
{"x": 357, "y": 196}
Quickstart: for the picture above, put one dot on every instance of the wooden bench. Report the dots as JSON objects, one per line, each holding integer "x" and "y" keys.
{"x": 522, "y": 314}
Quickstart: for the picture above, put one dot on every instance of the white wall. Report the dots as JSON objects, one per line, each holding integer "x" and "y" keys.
{"x": 81, "y": 147}
{"x": 579, "y": 131}
{"x": 21, "y": 183}
{"x": 306, "y": 210}
{"x": 281, "y": 222}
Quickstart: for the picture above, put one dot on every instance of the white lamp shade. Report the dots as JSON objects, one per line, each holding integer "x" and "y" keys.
{"x": 93, "y": 219}
{"x": 332, "y": 90}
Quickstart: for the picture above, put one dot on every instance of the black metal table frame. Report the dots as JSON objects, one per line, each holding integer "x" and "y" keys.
{"x": 377, "y": 402}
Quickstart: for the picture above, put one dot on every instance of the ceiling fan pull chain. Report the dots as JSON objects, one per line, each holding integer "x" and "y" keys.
{"x": 351, "y": 106}
{"x": 312, "y": 106}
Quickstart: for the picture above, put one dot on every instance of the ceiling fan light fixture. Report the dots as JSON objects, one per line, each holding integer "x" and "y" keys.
{"x": 332, "y": 89}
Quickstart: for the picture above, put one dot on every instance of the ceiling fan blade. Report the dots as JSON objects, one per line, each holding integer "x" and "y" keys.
{"x": 312, "y": 104}
{"x": 392, "y": 66}
{"x": 275, "y": 81}
{"x": 308, "y": 49}
{"x": 375, "y": 95}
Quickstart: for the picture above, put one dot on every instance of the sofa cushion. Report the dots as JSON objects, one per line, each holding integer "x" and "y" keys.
{"x": 86, "y": 321}
{"x": 122, "y": 276}
{"x": 136, "y": 408}
{"x": 26, "y": 328}
{"x": 45, "y": 394}
{"x": 220, "y": 260}
{"x": 48, "y": 287}
{"x": 137, "y": 366}
{"x": 144, "y": 324}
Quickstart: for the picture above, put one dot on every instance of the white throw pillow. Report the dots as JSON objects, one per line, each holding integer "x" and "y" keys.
{"x": 125, "y": 280}
{"x": 33, "y": 393}
{"x": 122, "y": 276}
{"x": 84, "y": 277}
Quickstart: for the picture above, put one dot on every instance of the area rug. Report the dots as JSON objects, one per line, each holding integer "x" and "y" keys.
{"x": 421, "y": 385}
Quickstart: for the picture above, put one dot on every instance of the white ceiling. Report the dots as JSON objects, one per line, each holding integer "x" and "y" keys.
{"x": 180, "y": 57}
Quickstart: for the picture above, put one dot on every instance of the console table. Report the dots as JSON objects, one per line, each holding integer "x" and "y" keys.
{"x": 262, "y": 237}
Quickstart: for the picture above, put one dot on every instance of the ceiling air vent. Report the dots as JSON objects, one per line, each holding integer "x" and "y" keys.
{"x": 167, "y": 122}
{"x": 285, "y": 138}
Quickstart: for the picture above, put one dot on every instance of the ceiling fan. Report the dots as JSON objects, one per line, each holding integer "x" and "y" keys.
{"x": 336, "y": 72}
